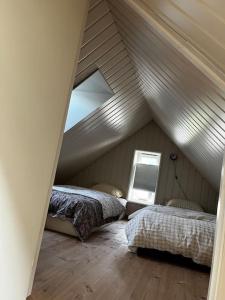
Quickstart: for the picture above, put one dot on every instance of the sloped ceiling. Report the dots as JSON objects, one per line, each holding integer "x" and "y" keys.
{"x": 126, "y": 112}
{"x": 184, "y": 102}
{"x": 137, "y": 60}
{"x": 201, "y": 24}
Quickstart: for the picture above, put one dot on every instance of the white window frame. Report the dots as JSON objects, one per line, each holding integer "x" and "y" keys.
{"x": 132, "y": 174}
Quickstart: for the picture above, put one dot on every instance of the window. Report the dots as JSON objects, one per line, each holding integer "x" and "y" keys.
{"x": 144, "y": 177}
{"x": 87, "y": 97}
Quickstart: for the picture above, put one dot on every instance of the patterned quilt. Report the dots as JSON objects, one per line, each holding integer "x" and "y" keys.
{"x": 85, "y": 208}
{"x": 178, "y": 231}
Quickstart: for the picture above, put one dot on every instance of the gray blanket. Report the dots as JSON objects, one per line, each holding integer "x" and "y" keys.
{"x": 83, "y": 210}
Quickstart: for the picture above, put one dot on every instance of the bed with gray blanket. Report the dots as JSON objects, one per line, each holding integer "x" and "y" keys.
{"x": 80, "y": 211}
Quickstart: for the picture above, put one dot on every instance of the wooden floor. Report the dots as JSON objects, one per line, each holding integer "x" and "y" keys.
{"x": 103, "y": 269}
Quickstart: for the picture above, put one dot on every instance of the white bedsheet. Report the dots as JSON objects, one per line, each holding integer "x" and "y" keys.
{"x": 178, "y": 231}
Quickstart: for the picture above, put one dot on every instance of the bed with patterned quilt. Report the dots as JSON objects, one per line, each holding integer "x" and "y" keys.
{"x": 79, "y": 211}
{"x": 179, "y": 231}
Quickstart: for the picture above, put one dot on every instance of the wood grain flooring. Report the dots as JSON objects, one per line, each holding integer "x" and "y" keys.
{"x": 103, "y": 269}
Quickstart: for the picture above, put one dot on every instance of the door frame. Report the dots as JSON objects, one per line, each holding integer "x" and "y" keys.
{"x": 216, "y": 285}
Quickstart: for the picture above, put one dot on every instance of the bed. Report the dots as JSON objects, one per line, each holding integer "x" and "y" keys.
{"x": 178, "y": 231}
{"x": 80, "y": 211}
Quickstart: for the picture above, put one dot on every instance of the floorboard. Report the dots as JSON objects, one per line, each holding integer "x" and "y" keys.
{"x": 102, "y": 268}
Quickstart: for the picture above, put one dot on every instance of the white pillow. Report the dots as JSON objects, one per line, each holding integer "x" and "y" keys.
{"x": 109, "y": 189}
{"x": 181, "y": 203}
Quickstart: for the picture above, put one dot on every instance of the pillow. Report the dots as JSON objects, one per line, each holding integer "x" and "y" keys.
{"x": 181, "y": 203}
{"x": 109, "y": 189}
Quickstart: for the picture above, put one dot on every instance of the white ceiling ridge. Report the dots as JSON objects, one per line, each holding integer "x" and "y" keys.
{"x": 204, "y": 64}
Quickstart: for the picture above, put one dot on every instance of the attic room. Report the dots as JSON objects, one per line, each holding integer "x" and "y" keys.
{"x": 157, "y": 102}
{"x": 125, "y": 148}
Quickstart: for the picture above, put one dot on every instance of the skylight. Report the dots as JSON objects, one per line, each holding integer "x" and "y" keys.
{"x": 87, "y": 97}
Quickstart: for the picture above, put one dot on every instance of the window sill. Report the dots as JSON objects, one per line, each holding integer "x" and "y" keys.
{"x": 141, "y": 202}
{"x": 134, "y": 206}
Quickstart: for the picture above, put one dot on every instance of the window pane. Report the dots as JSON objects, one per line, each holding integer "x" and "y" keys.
{"x": 85, "y": 98}
{"x": 144, "y": 177}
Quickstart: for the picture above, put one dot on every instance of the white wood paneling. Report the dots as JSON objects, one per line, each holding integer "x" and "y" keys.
{"x": 114, "y": 168}
{"x": 201, "y": 24}
{"x": 123, "y": 114}
{"x": 184, "y": 102}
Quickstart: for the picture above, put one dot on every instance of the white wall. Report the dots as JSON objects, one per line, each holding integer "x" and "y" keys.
{"x": 115, "y": 166}
{"x": 39, "y": 45}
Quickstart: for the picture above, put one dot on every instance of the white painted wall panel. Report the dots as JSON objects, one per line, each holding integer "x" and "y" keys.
{"x": 114, "y": 168}
{"x": 123, "y": 114}
{"x": 40, "y": 43}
